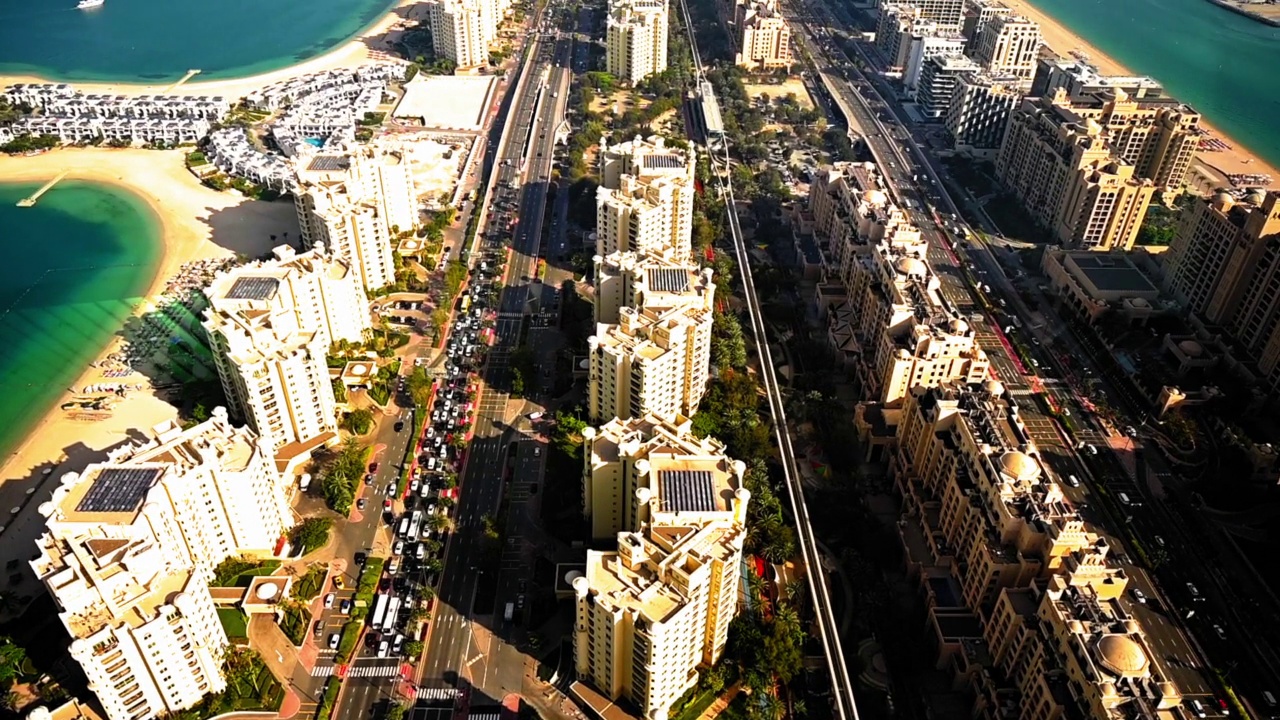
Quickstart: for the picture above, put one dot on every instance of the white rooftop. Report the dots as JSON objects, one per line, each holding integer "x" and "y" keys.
{"x": 447, "y": 102}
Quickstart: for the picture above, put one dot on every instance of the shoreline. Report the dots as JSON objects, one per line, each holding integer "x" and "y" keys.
{"x": 1063, "y": 40}
{"x": 353, "y": 52}
{"x": 195, "y": 223}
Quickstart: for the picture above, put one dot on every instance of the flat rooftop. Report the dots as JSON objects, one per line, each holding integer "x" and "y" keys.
{"x": 1110, "y": 274}
{"x": 110, "y": 493}
{"x": 447, "y": 102}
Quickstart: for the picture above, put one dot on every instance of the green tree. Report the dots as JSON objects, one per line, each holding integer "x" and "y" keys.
{"x": 358, "y": 422}
{"x": 413, "y": 650}
{"x": 312, "y": 533}
{"x": 396, "y": 712}
{"x": 11, "y": 659}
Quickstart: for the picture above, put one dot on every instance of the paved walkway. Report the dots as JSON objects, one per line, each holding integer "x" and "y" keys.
{"x": 721, "y": 702}
{"x": 277, "y": 651}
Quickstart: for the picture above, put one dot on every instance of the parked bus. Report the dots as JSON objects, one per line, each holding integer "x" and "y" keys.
{"x": 415, "y": 524}
{"x": 393, "y": 609}
{"x": 379, "y": 611}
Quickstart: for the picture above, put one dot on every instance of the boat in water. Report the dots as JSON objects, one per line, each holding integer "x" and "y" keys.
{"x": 90, "y": 4}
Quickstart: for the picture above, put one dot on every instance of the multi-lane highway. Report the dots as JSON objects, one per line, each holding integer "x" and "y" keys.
{"x": 468, "y": 645}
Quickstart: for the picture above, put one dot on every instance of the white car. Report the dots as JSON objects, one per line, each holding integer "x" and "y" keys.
{"x": 328, "y": 600}
{"x": 333, "y": 641}
{"x": 1139, "y": 596}
{"x": 399, "y": 548}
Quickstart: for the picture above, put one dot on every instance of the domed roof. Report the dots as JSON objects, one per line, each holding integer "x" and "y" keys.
{"x": 1222, "y": 199}
{"x": 1108, "y": 690}
{"x": 912, "y": 266}
{"x": 1019, "y": 465}
{"x": 958, "y": 326}
{"x": 994, "y": 386}
{"x": 1191, "y": 348}
{"x": 1140, "y": 302}
{"x": 1256, "y": 196}
{"x": 875, "y": 197}
{"x": 1121, "y": 655}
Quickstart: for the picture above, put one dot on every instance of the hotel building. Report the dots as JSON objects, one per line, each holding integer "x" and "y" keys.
{"x": 272, "y": 367}
{"x": 1009, "y": 46}
{"x": 129, "y": 551}
{"x": 655, "y": 357}
{"x": 629, "y": 280}
{"x": 653, "y": 613}
{"x": 764, "y": 36}
{"x": 1063, "y": 168}
{"x": 645, "y": 200}
{"x": 1023, "y": 599}
{"x": 636, "y": 39}
{"x": 354, "y": 204}
{"x": 319, "y": 290}
{"x": 1224, "y": 267}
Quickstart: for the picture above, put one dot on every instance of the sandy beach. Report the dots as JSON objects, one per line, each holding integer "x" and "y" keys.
{"x": 373, "y": 44}
{"x": 198, "y": 223}
{"x": 1236, "y": 160}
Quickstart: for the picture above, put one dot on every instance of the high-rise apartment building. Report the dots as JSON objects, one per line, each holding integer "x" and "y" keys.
{"x": 318, "y": 289}
{"x": 273, "y": 369}
{"x": 977, "y": 13}
{"x": 924, "y": 45}
{"x": 893, "y": 32}
{"x": 645, "y": 200}
{"x": 948, "y": 14}
{"x": 636, "y": 39}
{"x": 1063, "y": 170}
{"x": 764, "y": 36}
{"x": 939, "y": 77}
{"x": 129, "y": 551}
{"x": 987, "y": 524}
{"x": 654, "y": 612}
{"x": 1008, "y": 46}
{"x": 355, "y": 203}
{"x": 626, "y": 459}
{"x": 979, "y": 112}
{"x": 461, "y": 30}
{"x": 636, "y": 281}
{"x": 906, "y": 333}
{"x": 1079, "y": 79}
{"x": 1225, "y": 267}
{"x": 656, "y": 358}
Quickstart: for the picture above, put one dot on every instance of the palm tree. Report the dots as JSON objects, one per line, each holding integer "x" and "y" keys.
{"x": 9, "y": 602}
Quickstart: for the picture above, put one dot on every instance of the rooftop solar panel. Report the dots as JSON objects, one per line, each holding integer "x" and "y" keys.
{"x": 328, "y": 163}
{"x": 664, "y": 162}
{"x": 687, "y": 490}
{"x": 668, "y": 279}
{"x": 119, "y": 489}
{"x": 253, "y": 288}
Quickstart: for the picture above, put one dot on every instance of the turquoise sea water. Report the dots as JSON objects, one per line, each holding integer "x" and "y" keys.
{"x": 1224, "y": 65}
{"x": 158, "y": 40}
{"x": 75, "y": 266}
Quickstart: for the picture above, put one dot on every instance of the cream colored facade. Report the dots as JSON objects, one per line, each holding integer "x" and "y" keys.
{"x": 274, "y": 374}
{"x": 654, "y": 612}
{"x": 461, "y": 30}
{"x": 982, "y": 513}
{"x": 318, "y": 289}
{"x": 764, "y": 36}
{"x": 636, "y": 39}
{"x": 949, "y": 14}
{"x": 129, "y": 549}
{"x": 645, "y": 200}
{"x": 1009, "y": 46}
{"x": 899, "y": 329}
{"x": 979, "y": 112}
{"x": 625, "y": 460}
{"x": 1063, "y": 169}
{"x": 355, "y": 203}
{"x": 654, "y": 360}
{"x": 627, "y": 279}
{"x": 1224, "y": 266}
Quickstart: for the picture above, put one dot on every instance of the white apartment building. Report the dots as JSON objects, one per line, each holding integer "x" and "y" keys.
{"x": 273, "y": 372}
{"x": 636, "y": 39}
{"x": 939, "y": 79}
{"x": 1009, "y": 45}
{"x": 129, "y": 549}
{"x": 461, "y": 31}
{"x": 654, "y": 612}
{"x": 645, "y": 200}
{"x": 949, "y": 14}
{"x": 627, "y": 279}
{"x": 626, "y": 459}
{"x": 979, "y": 112}
{"x": 923, "y": 45}
{"x": 354, "y": 204}
{"x": 322, "y": 291}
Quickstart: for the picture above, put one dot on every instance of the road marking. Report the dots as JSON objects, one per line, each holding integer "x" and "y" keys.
{"x": 438, "y": 694}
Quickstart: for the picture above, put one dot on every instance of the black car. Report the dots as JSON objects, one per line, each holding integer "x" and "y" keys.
{"x": 399, "y": 426}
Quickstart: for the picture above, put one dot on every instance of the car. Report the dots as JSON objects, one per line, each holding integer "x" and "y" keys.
{"x": 399, "y": 642}
{"x": 382, "y": 648}
{"x": 399, "y": 426}
{"x": 345, "y": 608}
{"x": 318, "y": 630}
{"x": 413, "y": 486}
{"x": 339, "y": 583}
{"x": 537, "y": 451}
{"x": 334, "y": 638}
{"x": 398, "y": 548}
{"x": 1139, "y": 596}
{"x": 360, "y": 504}
{"x": 1159, "y": 540}
{"x": 1194, "y": 591}
{"x": 1073, "y": 481}
{"x": 328, "y": 599}
{"x": 1222, "y": 634}
{"x": 360, "y": 557}
{"x": 373, "y": 467}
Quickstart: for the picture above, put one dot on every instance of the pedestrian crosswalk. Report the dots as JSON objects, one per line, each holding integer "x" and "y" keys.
{"x": 438, "y": 694}
{"x": 357, "y": 671}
